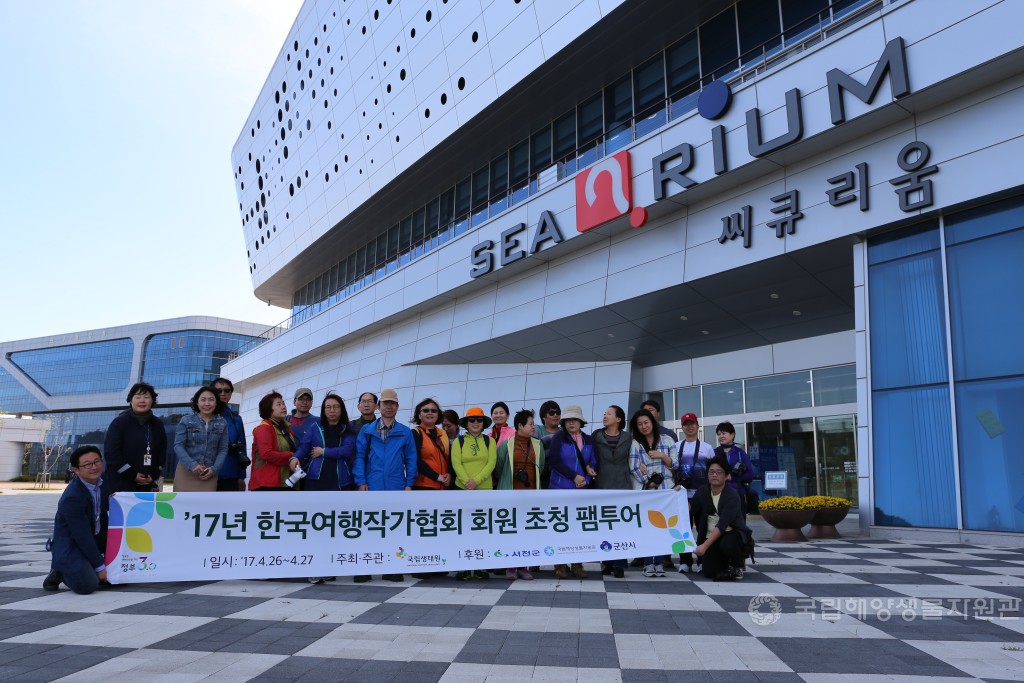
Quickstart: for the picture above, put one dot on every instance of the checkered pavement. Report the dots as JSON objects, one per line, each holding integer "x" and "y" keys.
{"x": 858, "y": 609}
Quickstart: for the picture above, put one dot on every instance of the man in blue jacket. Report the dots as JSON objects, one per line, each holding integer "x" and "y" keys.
{"x": 80, "y": 527}
{"x": 385, "y": 457}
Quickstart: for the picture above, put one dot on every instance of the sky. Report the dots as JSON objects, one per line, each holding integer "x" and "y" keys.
{"x": 117, "y": 119}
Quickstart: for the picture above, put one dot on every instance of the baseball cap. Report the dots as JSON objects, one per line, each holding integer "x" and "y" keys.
{"x": 303, "y": 391}
{"x": 688, "y": 417}
{"x": 388, "y": 395}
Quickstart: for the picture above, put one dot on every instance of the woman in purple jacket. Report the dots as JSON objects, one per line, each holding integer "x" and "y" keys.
{"x": 573, "y": 466}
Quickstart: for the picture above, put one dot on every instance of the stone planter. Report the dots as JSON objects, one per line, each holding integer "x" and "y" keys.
{"x": 823, "y": 523}
{"x": 787, "y": 524}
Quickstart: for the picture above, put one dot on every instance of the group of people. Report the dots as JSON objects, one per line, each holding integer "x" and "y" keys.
{"x": 297, "y": 450}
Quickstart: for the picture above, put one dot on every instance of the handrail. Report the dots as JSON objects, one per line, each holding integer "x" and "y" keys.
{"x": 826, "y": 25}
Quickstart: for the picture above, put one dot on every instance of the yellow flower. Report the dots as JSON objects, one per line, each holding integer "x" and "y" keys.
{"x": 804, "y": 503}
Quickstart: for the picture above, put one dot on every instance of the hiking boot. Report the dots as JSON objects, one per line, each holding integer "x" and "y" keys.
{"x": 481, "y": 574}
{"x": 362, "y": 578}
{"x": 562, "y": 571}
{"x": 463, "y": 576}
{"x": 618, "y": 572}
{"x": 52, "y": 581}
{"x": 577, "y": 571}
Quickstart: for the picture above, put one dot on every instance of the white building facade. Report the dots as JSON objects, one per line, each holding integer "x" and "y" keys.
{"x": 799, "y": 216}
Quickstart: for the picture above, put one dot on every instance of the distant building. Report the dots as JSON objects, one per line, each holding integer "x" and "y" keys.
{"x": 79, "y": 381}
{"x": 805, "y": 217}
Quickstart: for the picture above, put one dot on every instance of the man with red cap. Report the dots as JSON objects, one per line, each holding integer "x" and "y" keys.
{"x": 691, "y": 470}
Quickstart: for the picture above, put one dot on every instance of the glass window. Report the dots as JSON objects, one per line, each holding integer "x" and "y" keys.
{"x": 801, "y": 17}
{"x": 723, "y": 399}
{"x": 382, "y": 248}
{"x": 78, "y": 368}
{"x": 499, "y": 176}
{"x": 985, "y": 221}
{"x": 760, "y": 26}
{"x": 718, "y": 48}
{"x": 618, "y": 104}
{"x": 589, "y": 123}
{"x": 683, "y": 67}
{"x": 835, "y": 386}
{"x": 649, "y": 85}
{"x": 14, "y": 397}
{"x": 197, "y": 361}
{"x": 446, "y": 208}
{"x": 540, "y": 150}
{"x": 480, "y": 187}
{"x": 432, "y": 216}
{"x": 779, "y": 392}
{"x": 990, "y": 432}
{"x": 688, "y": 401}
{"x": 908, "y": 333}
{"x": 371, "y": 256}
{"x": 406, "y": 232}
{"x": 913, "y": 488}
{"x": 907, "y": 242}
{"x": 565, "y": 136}
{"x": 463, "y": 198}
{"x": 519, "y": 164}
{"x": 986, "y": 305}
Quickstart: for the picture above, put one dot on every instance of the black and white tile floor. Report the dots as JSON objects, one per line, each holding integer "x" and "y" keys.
{"x": 859, "y": 610}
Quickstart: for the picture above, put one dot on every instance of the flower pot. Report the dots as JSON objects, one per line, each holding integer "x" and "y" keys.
{"x": 787, "y": 524}
{"x": 823, "y": 523}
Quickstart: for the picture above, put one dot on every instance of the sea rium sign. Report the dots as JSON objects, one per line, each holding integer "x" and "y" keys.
{"x": 597, "y": 204}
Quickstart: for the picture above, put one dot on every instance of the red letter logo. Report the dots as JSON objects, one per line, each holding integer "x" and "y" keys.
{"x": 604, "y": 192}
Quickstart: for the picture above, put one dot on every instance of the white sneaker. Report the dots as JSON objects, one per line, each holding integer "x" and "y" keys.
{"x": 685, "y": 568}
{"x": 650, "y": 572}
{"x": 659, "y": 570}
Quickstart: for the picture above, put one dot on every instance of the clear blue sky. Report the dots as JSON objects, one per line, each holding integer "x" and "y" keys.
{"x": 116, "y": 127}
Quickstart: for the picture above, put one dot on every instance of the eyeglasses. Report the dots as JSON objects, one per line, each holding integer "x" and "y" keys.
{"x": 89, "y": 465}
{"x": 367, "y": 402}
{"x": 716, "y": 473}
{"x": 428, "y": 410}
{"x": 474, "y": 419}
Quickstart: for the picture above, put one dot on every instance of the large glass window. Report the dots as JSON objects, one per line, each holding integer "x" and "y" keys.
{"x": 687, "y": 401}
{"x": 14, "y": 397}
{"x": 779, "y": 392}
{"x": 718, "y": 48}
{"x": 79, "y": 368}
{"x": 723, "y": 399}
{"x": 682, "y": 66}
{"x": 835, "y": 386}
{"x": 759, "y": 27}
{"x": 589, "y": 122}
{"x": 189, "y": 358}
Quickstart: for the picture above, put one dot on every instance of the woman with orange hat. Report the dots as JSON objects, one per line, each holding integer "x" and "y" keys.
{"x": 474, "y": 455}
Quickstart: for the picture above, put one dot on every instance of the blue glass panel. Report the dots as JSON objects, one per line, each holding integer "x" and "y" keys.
{"x": 908, "y": 334}
{"x": 913, "y": 458}
{"x": 986, "y": 303}
{"x": 990, "y": 433}
{"x": 907, "y": 242}
{"x": 79, "y": 368}
{"x": 990, "y": 219}
{"x": 189, "y": 358}
{"x": 14, "y": 398}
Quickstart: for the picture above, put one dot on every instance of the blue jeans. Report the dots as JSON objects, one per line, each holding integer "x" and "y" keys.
{"x": 657, "y": 559}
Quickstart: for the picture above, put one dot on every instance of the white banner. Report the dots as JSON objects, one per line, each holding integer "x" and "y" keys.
{"x": 211, "y": 536}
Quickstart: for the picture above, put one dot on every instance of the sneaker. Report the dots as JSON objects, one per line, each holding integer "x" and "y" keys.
{"x": 659, "y": 570}
{"x": 362, "y": 578}
{"x": 510, "y": 574}
{"x": 561, "y": 571}
{"x": 392, "y": 577}
{"x": 578, "y": 572}
{"x": 481, "y": 574}
{"x": 650, "y": 572}
{"x": 724, "y": 575}
{"x": 606, "y": 570}
{"x": 330, "y": 578}
{"x": 618, "y": 572}
{"x": 636, "y": 562}
{"x": 737, "y": 573}
{"x": 525, "y": 575}
{"x": 463, "y": 576}
{"x": 685, "y": 568}
{"x": 316, "y": 579}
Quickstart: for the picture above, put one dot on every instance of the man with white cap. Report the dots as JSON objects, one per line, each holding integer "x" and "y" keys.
{"x": 385, "y": 457}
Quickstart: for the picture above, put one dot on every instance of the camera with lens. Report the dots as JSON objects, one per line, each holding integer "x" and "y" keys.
{"x": 237, "y": 451}
{"x": 522, "y": 476}
{"x": 738, "y": 469}
{"x": 298, "y": 475}
{"x": 655, "y": 481}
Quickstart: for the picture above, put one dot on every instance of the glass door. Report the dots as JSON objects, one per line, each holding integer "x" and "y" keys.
{"x": 837, "y": 449}
{"x": 787, "y": 446}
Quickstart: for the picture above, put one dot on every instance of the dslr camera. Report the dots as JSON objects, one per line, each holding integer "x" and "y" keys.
{"x": 738, "y": 469}
{"x": 655, "y": 481}
{"x": 521, "y": 476}
{"x": 298, "y": 475}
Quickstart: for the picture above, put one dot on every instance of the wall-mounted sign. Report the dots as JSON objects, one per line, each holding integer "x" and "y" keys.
{"x": 776, "y": 481}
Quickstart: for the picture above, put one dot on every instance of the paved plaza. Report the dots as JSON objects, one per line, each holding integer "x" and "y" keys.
{"x": 855, "y": 609}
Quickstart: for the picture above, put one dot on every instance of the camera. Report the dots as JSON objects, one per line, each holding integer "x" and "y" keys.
{"x": 655, "y": 481}
{"x": 298, "y": 475}
{"x": 738, "y": 469}
{"x": 237, "y": 451}
{"x": 521, "y": 476}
